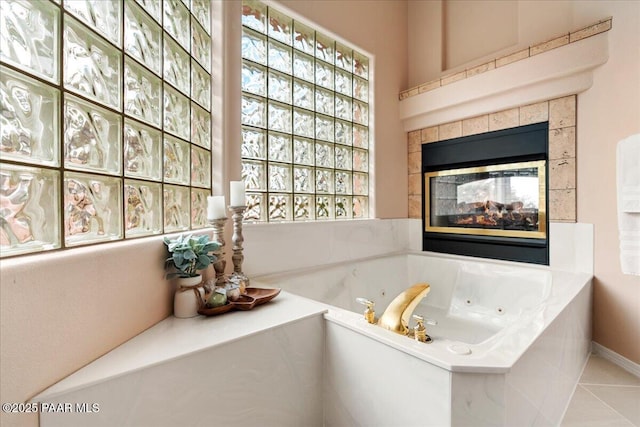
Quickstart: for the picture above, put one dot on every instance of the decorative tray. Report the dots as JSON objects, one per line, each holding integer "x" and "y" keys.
{"x": 247, "y": 301}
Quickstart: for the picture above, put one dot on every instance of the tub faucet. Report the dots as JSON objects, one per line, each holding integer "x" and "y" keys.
{"x": 396, "y": 317}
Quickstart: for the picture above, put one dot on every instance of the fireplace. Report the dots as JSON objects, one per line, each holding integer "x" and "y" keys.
{"x": 486, "y": 195}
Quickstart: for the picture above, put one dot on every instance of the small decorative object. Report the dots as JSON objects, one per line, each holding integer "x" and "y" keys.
{"x": 237, "y": 258}
{"x": 248, "y": 301}
{"x": 217, "y": 298}
{"x": 188, "y": 255}
{"x": 218, "y": 237}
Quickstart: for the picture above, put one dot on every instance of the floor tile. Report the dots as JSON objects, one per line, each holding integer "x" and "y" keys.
{"x": 601, "y": 371}
{"x": 624, "y": 399}
{"x": 586, "y": 410}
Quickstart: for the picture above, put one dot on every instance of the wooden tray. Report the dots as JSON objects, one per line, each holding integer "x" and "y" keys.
{"x": 251, "y": 298}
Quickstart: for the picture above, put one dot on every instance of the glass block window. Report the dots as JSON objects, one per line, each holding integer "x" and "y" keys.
{"x": 105, "y": 120}
{"x": 305, "y": 121}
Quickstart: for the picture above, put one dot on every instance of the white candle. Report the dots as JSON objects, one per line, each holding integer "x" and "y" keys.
{"x": 237, "y": 193}
{"x": 215, "y": 207}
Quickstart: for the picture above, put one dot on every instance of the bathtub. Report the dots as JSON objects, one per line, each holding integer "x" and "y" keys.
{"x": 508, "y": 348}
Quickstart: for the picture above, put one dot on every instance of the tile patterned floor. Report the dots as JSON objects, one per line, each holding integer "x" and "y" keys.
{"x": 606, "y": 396}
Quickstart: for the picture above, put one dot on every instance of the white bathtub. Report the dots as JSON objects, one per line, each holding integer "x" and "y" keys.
{"x": 508, "y": 348}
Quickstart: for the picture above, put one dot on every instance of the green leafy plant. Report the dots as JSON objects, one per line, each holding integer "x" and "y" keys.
{"x": 189, "y": 253}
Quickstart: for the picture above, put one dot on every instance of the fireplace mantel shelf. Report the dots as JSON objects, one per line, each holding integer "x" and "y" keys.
{"x": 559, "y": 72}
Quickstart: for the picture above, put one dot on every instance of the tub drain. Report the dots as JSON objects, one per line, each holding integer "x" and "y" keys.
{"x": 459, "y": 349}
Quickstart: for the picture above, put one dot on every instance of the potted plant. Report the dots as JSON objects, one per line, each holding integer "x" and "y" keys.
{"x": 188, "y": 255}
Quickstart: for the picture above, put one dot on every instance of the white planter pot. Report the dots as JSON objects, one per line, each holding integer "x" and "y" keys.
{"x": 185, "y": 301}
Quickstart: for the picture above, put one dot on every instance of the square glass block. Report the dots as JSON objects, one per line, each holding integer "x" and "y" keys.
{"x": 254, "y": 175}
{"x": 92, "y": 137}
{"x": 91, "y": 67}
{"x": 324, "y": 181}
{"x": 142, "y": 37}
{"x": 280, "y": 26}
{"x": 30, "y": 37}
{"x": 303, "y": 207}
{"x": 199, "y": 208}
{"x": 324, "y": 75}
{"x": 325, "y": 48}
{"x": 142, "y": 90}
{"x": 176, "y": 161}
{"x": 361, "y": 89}
{"x": 343, "y": 82}
{"x": 343, "y": 107}
{"x": 324, "y": 102}
{"x": 343, "y": 182}
{"x": 101, "y": 16}
{"x": 279, "y": 117}
{"x": 343, "y": 157}
{"x": 344, "y": 133}
{"x": 279, "y": 177}
{"x": 200, "y": 126}
{"x": 255, "y": 207}
{"x": 254, "y": 46}
{"x": 324, "y": 207}
{"x": 254, "y": 144}
{"x": 344, "y": 57}
{"x": 360, "y": 160}
{"x": 360, "y": 136}
{"x": 254, "y": 78}
{"x": 280, "y": 57}
{"x": 200, "y": 45}
{"x": 279, "y": 147}
{"x": 324, "y": 128}
{"x": 304, "y": 38}
{"x": 360, "y": 65}
{"x": 92, "y": 208}
{"x": 254, "y": 15}
{"x": 142, "y": 151}
{"x": 142, "y": 207}
{"x": 200, "y": 167}
{"x": 201, "y": 9}
{"x": 176, "y": 113}
{"x": 360, "y": 207}
{"x": 303, "y": 123}
{"x": 254, "y": 111}
{"x": 30, "y": 212}
{"x": 303, "y": 66}
{"x": 153, "y": 8}
{"x": 303, "y": 151}
{"x": 280, "y": 87}
{"x": 177, "y": 214}
{"x": 324, "y": 155}
{"x": 200, "y": 86}
{"x": 176, "y": 22}
{"x": 302, "y": 94}
{"x": 280, "y": 207}
{"x": 176, "y": 66}
{"x": 303, "y": 179}
{"x": 344, "y": 208}
{"x": 30, "y": 116}
{"x": 360, "y": 184}
{"x": 360, "y": 113}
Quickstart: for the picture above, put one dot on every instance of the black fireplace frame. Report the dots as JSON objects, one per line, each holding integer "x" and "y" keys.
{"x": 521, "y": 144}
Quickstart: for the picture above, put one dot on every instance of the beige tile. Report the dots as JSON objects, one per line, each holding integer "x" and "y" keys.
{"x": 562, "y": 205}
{"x": 404, "y": 95}
{"x": 482, "y": 68}
{"x": 415, "y": 206}
{"x": 452, "y": 78}
{"x": 414, "y": 141}
{"x": 562, "y": 112}
{"x": 414, "y": 91}
{"x": 562, "y": 143}
{"x": 562, "y": 174}
{"x": 415, "y": 184}
{"x": 475, "y": 125}
{"x": 430, "y": 134}
{"x": 549, "y": 44}
{"x": 415, "y": 162}
{"x": 513, "y": 57}
{"x": 450, "y": 130}
{"x": 504, "y": 119}
{"x": 425, "y": 87}
{"x": 591, "y": 30}
{"x": 600, "y": 371}
{"x": 586, "y": 410}
{"x": 623, "y": 399}
{"x": 534, "y": 113}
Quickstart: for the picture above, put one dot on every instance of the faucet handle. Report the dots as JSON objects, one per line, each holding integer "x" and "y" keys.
{"x": 419, "y": 331}
{"x": 369, "y": 314}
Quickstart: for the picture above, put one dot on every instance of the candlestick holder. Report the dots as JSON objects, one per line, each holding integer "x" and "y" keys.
{"x": 237, "y": 258}
{"x": 218, "y": 237}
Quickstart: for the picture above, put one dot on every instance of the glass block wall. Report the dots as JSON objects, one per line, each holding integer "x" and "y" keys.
{"x": 305, "y": 118}
{"x": 105, "y": 114}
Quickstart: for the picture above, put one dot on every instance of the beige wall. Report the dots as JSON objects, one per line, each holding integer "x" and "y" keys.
{"x": 607, "y": 112}
{"x": 60, "y": 311}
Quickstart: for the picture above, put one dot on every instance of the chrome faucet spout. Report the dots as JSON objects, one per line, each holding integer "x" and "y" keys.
{"x": 396, "y": 317}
